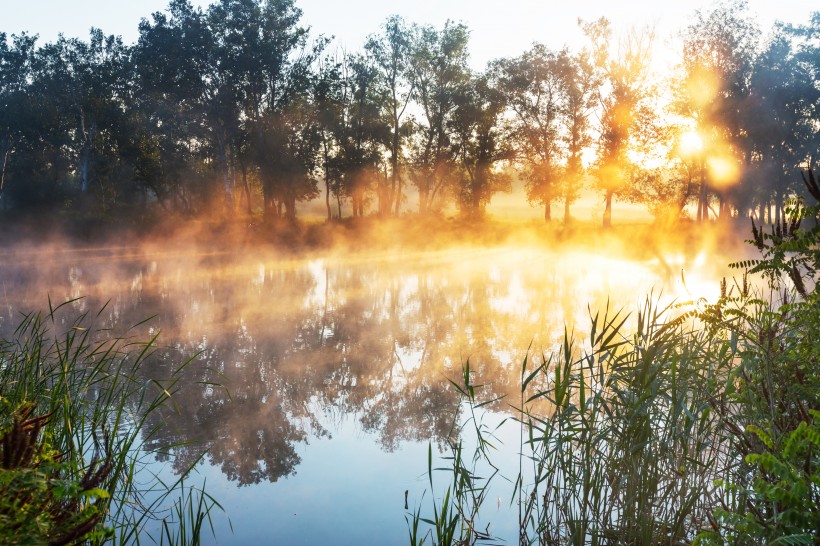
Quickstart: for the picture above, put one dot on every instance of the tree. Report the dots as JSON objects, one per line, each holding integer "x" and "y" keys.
{"x": 328, "y": 97}
{"x": 624, "y": 68}
{"x": 171, "y": 61}
{"x": 550, "y": 95}
{"x": 479, "y": 144}
{"x": 361, "y": 134}
{"x": 390, "y": 51}
{"x": 781, "y": 121}
{"x": 281, "y": 117}
{"x": 580, "y": 81}
{"x": 15, "y": 101}
{"x": 532, "y": 85}
{"x": 439, "y": 74}
{"x": 68, "y": 100}
{"x": 718, "y": 55}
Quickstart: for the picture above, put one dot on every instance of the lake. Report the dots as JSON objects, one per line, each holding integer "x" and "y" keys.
{"x": 319, "y": 380}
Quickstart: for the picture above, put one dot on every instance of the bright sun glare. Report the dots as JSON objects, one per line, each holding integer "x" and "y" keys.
{"x": 691, "y": 143}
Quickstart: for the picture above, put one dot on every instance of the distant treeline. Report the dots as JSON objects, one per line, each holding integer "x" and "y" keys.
{"x": 236, "y": 105}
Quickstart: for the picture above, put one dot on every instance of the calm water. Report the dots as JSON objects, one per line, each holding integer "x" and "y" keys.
{"x": 320, "y": 381}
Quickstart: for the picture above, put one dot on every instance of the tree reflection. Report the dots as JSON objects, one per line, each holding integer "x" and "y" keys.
{"x": 285, "y": 348}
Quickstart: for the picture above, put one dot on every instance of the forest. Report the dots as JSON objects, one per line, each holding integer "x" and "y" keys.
{"x": 235, "y": 111}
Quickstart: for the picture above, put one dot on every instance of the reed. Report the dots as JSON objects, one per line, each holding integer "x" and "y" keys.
{"x": 74, "y": 432}
{"x": 699, "y": 424}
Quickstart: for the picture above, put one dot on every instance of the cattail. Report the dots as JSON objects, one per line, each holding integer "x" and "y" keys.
{"x": 758, "y": 236}
{"x": 797, "y": 279}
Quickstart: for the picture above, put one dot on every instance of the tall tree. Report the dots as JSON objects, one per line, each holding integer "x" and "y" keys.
{"x": 550, "y": 95}
{"x": 390, "y": 51}
{"x": 781, "y": 123}
{"x": 362, "y": 134}
{"x": 480, "y": 144}
{"x": 171, "y": 60}
{"x": 329, "y": 98}
{"x": 718, "y": 57}
{"x": 282, "y": 119}
{"x": 16, "y": 106}
{"x": 580, "y": 82}
{"x": 439, "y": 74}
{"x": 76, "y": 107}
{"x": 624, "y": 66}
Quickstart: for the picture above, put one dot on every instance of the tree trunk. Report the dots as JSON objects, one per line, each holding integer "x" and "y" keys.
{"x": 246, "y": 188}
{"x": 703, "y": 196}
{"x": 327, "y": 199}
{"x": 6, "y": 152}
{"x": 423, "y": 197}
{"x": 395, "y": 192}
{"x": 232, "y": 156}
{"x": 88, "y": 141}
{"x": 547, "y": 212}
{"x": 386, "y": 195}
{"x": 84, "y": 168}
{"x": 326, "y": 156}
{"x": 394, "y": 165}
{"x": 608, "y": 210}
{"x": 225, "y": 168}
{"x": 397, "y": 196}
{"x": 567, "y": 217}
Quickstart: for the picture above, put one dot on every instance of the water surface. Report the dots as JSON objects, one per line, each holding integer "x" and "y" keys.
{"x": 318, "y": 381}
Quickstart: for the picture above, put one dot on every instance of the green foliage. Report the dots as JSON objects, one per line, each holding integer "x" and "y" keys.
{"x": 74, "y": 430}
{"x": 771, "y": 394}
{"x": 41, "y": 502}
{"x": 783, "y": 498}
{"x": 215, "y": 101}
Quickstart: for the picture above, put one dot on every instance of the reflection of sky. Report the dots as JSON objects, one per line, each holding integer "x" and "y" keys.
{"x": 347, "y": 491}
{"x": 336, "y": 366}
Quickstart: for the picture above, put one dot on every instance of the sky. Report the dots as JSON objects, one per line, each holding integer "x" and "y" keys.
{"x": 498, "y": 28}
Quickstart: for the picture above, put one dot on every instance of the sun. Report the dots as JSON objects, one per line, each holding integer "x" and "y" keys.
{"x": 690, "y": 143}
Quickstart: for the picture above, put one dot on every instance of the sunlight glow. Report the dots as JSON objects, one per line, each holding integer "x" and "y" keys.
{"x": 723, "y": 171}
{"x": 691, "y": 143}
{"x": 702, "y": 87}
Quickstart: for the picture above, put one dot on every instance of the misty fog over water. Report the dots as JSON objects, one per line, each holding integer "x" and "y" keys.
{"x": 318, "y": 380}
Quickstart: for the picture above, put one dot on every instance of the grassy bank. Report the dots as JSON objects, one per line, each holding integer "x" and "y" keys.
{"x": 701, "y": 425}
{"x": 73, "y": 425}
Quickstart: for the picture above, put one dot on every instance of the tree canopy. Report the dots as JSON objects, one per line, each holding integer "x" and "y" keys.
{"x": 235, "y": 108}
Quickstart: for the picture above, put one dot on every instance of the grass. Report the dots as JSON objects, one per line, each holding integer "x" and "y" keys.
{"x": 74, "y": 409}
{"x": 700, "y": 424}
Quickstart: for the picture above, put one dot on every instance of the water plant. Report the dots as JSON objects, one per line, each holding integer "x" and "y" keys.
{"x": 694, "y": 423}
{"x": 74, "y": 413}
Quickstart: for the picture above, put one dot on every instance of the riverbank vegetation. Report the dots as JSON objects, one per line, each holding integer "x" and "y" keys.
{"x": 699, "y": 425}
{"x": 250, "y": 118}
{"x": 75, "y": 423}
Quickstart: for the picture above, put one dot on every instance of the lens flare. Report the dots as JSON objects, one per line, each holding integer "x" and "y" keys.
{"x": 723, "y": 171}
{"x": 691, "y": 143}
